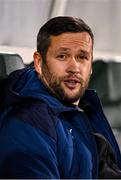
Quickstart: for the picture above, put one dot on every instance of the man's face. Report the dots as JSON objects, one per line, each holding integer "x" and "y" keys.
{"x": 68, "y": 65}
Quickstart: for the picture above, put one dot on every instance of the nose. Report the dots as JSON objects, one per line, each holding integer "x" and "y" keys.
{"x": 73, "y": 66}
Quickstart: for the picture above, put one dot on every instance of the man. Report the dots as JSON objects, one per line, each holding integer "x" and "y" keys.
{"x": 52, "y": 126}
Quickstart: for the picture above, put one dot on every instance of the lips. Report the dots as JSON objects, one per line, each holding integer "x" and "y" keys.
{"x": 71, "y": 83}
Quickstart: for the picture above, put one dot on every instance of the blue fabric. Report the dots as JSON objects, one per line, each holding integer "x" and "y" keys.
{"x": 42, "y": 137}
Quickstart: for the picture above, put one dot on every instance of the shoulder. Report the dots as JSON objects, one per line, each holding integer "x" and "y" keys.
{"x": 36, "y": 113}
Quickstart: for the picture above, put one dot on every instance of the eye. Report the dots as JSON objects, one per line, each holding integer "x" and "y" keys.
{"x": 61, "y": 57}
{"x": 82, "y": 57}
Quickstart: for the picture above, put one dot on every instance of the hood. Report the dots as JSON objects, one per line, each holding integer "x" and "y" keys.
{"x": 24, "y": 84}
{"x": 16, "y": 87}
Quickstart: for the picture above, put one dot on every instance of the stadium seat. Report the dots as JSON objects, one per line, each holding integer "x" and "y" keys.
{"x": 8, "y": 63}
{"x": 106, "y": 79}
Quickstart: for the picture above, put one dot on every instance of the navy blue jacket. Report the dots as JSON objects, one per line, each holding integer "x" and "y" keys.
{"x": 42, "y": 137}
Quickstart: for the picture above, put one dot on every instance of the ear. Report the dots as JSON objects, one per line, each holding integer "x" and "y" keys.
{"x": 91, "y": 71}
{"x": 37, "y": 62}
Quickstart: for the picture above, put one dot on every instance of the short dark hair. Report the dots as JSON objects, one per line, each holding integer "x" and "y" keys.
{"x": 57, "y": 26}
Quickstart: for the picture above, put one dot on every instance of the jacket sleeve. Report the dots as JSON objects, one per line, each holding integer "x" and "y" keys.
{"x": 27, "y": 152}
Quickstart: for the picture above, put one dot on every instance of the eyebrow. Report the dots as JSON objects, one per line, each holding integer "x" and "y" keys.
{"x": 64, "y": 49}
{"x": 84, "y": 52}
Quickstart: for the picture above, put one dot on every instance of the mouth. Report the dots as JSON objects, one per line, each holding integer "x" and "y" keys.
{"x": 71, "y": 83}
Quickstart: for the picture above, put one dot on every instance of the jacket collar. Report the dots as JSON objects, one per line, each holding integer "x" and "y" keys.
{"x": 87, "y": 102}
{"x": 24, "y": 84}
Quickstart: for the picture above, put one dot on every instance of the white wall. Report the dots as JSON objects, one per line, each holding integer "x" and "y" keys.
{"x": 20, "y": 21}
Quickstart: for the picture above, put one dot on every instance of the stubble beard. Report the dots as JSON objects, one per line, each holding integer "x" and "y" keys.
{"x": 54, "y": 84}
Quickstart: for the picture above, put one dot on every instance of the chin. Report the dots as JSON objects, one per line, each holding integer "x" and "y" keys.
{"x": 71, "y": 99}
{"x": 74, "y": 98}
{"x": 67, "y": 95}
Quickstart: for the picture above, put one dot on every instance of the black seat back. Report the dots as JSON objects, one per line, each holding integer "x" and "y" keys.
{"x": 106, "y": 79}
{"x": 9, "y": 62}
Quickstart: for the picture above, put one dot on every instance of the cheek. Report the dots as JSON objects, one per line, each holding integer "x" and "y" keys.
{"x": 50, "y": 73}
{"x": 46, "y": 72}
{"x": 58, "y": 69}
{"x": 87, "y": 72}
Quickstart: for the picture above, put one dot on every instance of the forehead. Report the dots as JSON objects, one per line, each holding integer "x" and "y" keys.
{"x": 80, "y": 40}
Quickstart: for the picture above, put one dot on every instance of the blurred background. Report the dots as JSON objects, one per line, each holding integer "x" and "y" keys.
{"x": 20, "y": 21}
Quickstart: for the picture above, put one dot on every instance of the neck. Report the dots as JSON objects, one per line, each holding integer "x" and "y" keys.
{"x": 76, "y": 103}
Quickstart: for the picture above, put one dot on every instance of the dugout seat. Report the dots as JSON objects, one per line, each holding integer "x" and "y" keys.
{"x": 9, "y": 62}
{"x": 106, "y": 79}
